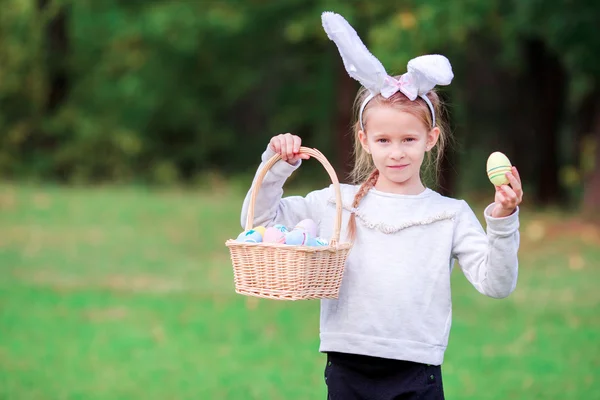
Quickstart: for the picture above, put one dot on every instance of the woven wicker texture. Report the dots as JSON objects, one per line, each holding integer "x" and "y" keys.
{"x": 285, "y": 272}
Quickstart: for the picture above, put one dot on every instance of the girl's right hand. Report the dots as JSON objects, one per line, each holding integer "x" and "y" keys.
{"x": 288, "y": 146}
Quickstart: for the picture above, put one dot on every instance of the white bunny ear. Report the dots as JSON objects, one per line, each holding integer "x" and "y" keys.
{"x": 359, "y": 62}
{"x": 424, "y": 72}
{"x": 429, "y": 71}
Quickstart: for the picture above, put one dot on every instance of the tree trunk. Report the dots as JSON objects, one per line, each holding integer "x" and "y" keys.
{"x": 548, "y": 80}
{"x": 346, "y": 91}
{"x": 55, "y": 51}
{"x": 496, "y": 114}
{"x": 57, "y": 48}
{"x": 591, "y": 199}
{"x": 584, "y": 123}
{"x": 447, "y": 175}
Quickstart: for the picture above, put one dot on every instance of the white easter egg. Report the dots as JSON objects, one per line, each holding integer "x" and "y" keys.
{"x": 307, "y": 225}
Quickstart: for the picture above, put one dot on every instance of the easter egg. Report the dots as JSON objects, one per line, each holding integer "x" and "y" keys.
{"x": 296, "y": 237}
{"x": 307, "y": 225}
{"x": 497, "y": 167}
{"x": 249, "y": 236}
{"x": 281, "y": 228}
{"x": 316, "y": 241}
{"x": 273, "y": 235}
{"x": 241, "y": 237}
{"x": 321, "y": 241}
{"x": 261, "y": 230}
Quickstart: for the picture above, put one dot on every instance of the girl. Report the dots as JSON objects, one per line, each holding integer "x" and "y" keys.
{"x": 386, "y": 334}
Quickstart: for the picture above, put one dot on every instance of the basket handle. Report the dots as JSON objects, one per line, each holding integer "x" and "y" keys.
{"x": 321, "y": 158}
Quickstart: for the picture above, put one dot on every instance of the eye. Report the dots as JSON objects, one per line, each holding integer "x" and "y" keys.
{"x": 410, "y": 139}
{"x": 381, "y": 140}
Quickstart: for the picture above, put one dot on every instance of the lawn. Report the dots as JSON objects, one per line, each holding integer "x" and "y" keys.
{"x": 127, "y": 293}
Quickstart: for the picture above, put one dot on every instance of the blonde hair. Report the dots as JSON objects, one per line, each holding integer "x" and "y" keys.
{"x": 364, "y": 171}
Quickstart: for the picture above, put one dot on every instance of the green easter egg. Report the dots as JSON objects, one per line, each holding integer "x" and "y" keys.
{"x": 497, "y": 167}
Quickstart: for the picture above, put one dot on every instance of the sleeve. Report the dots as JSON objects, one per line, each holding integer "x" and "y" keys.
{"x": 271, "y": 208}
{"x": 489, "y": 261}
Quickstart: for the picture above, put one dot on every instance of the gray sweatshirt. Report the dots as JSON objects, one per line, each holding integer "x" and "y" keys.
{"x": 395, "y": 299}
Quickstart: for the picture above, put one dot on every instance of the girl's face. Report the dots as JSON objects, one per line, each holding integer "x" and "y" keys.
{"x": 397, "y": 141}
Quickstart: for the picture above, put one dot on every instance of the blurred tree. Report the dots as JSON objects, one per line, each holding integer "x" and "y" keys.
{"x": 535, "y": 63}
{"x": 55, "y": 56}
{"x": 592, "y": 183}
{"x": 56, "y": 46}
{"x": 22, "y": 86}
{"x": 568, "y": 28}
{"x": 548, "y": 88}
{"x": 161, "y": 91}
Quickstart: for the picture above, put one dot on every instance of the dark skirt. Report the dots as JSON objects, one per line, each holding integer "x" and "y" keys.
{"x": 357, "y": 377}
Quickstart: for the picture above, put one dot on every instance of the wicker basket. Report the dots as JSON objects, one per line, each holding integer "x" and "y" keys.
{"x": 287, "y": 272}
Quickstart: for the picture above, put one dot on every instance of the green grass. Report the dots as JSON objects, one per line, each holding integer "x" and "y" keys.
{"x": 128, "y": 294}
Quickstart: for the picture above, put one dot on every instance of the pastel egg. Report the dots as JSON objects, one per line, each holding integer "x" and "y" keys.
{"x": 307, "y": 225}
{"x": 316, "y": 242}
{"x": 249, "y": 236}
{"x": 295, "y": 238}
{"x": 497, "y": 167}
{"x": 241, "y": 237}
{"x": 273, "y": 235}
{"x": 321, "y": 241}
{"x": 281, "y": 228}
{"x": 261, "y": 230}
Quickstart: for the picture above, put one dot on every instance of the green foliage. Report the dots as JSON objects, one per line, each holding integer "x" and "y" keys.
{"x": 162, "y": 91}
{"x": 22, "y": 89}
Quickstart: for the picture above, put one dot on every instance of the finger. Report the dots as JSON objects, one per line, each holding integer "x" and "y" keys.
{"x": 514, "y": 182}
{"x": 511, "y": 197}
{"x": 282, "y": 148}
{"x": 304, "y": 156}
{"x": 275, "y": 145}
{"x": 509, "y": 192}
{"x": 297, "y": 143}
{"x": 516, "y": 186}
{"x": 500, "y": 197}
{"x": 505, "y": 202}
{"x": 289, "y": 145}
{"x": 516, "y": 174}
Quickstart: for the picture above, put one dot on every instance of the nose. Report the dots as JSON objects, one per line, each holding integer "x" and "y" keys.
{"x": 397, "y": 153}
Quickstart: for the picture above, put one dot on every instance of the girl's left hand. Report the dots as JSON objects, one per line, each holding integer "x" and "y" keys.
{"x": 508, "y": 197}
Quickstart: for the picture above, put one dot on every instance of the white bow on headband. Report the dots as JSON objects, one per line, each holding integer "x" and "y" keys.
{"x": 424, "y": 72}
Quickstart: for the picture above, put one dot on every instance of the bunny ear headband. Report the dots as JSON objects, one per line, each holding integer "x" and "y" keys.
{"x": 424, "y": 72}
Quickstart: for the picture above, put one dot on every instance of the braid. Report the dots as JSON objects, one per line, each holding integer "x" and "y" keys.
{"x": 362, "y": 192}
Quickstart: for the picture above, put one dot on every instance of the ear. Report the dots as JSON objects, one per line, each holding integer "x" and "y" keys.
{"x": 362, "y": 136}
{"x": 432, "y": 138}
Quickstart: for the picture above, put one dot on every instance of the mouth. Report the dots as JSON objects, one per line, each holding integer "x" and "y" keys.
{"x": 398, "y": 166}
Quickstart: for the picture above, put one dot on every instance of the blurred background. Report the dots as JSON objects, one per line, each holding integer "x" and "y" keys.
{"x": 129, "y": 135}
